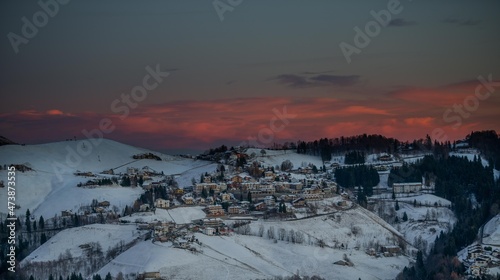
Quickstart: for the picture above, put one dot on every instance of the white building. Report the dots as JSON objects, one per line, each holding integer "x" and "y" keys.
{"x": 413, "y": 187}
{"x": 209, "y": 231}
{"x": 162, "y": 203}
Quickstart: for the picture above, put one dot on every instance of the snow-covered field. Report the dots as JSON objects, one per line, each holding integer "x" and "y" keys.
{"x": 70, "y": 239}
{"x": 426, "y": 200}
{"x": 251, "y": 257}
{"x": 426, "y": 220}
{"x": 356, "y": 227}
{"x": 51, "y": 187}
{"x": 276, "y": 157}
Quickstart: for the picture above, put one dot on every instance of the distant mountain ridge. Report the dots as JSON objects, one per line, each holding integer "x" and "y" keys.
{"x": 6, "y": 141}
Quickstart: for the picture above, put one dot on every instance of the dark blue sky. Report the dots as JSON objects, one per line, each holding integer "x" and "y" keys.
{"x": 90, "y": 52}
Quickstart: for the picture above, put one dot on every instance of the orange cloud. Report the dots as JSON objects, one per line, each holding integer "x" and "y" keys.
{"x": 425, "y": 121}
{"x": 364, "y": 110}
{"x": 202, "y": 124}
{"x": 54, "y": 112}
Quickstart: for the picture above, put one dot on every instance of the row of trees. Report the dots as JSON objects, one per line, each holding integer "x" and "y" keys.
{"x": 360, "y": 175}
{"x": 354, "y": 157}
{"x": 404, "y": 174}
{"x": 368, "y": 143}
{"x": 488, "y": 142}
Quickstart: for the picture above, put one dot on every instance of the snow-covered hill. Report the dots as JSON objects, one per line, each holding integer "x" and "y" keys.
{"x": 51, "y": 187}
{"x": 491, "y": 231}
{"x": 276, "y": 157}
{"x": 427, "y": 215}
{"x": 253, "y": 257}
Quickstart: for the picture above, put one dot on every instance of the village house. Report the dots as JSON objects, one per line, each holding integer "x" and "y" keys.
{"x": 200, "y": 200}
{"x": 312, "y": 196}
{"x": 413, "y": 187}
{"x": 84, "y": 174}
{"x": 66, "y": 213}
{"x": 299, "y": 202}
{"x": 162, "y": 229}
{"x": 482, "y": 261}
{"x": 385, "y": 158}
{"x": 261, "y": 206}
{"x": 213, "y": 222}
{"x": 248, "y": 186}
{"x": 287, "y": 197}
{"x": 269, "y": 175}
{"x": 217, "y": 188}
{"x": 237, "y": 179}
{"x": 207, "y": 179}
{"x": 289, "y": 207}
{"x": 269, "y": 201}
{"x": 144, "y": 207}
{"x": 209, "y": 231}
{"x": 131, "y": 171}
{"x": 103, "y": 204}
{"x": 149, "y": 276}
{"x": 476, "y": 271}
{"x": 390, "y": 250}
{"x": 188, "y": 200}
{"x": 215, "y": 210}
{"x": 263, "y": 191}
{"x": 474, "y": 251}
{"x": 225, "y": 197}
{"x": 234, "y": 210}
{"x": 108, "y": 171}
{"x": 162, "y": 203}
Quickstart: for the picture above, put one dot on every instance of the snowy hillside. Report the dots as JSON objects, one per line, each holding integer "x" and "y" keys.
{"x": 51, "y": 187}
{"x": 250, "y": 257}
{"x": 81, "y": 250}
{"x": 276, "y": 157}
{"x": 71, "y": 239}
{"x": 491, "y": 231}
{"x": 427, "y": 215}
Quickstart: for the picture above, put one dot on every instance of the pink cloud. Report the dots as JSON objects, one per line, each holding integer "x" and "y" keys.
{"x": 200, "y": 124}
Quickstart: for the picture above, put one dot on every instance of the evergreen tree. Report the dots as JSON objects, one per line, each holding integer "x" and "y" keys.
{"x": 397, "y": 206}
{"x": 249, "y": 197}
{"x": 405, "y": 217}
{"x": 108, "y": 276}
{"x": 27, "y": 221}
{"x": 314, "y": 169}
{"x": 41, "y": 223}
{"x": 43, "y": 238}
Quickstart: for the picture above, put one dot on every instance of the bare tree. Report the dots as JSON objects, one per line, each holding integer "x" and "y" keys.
{"x": 281, "y": 234}
{"x": 270, "y": 232}
{"x": 261, "y": 231}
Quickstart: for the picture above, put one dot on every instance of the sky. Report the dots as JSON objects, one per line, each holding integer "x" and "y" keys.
{"x": 189, "y": 75}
